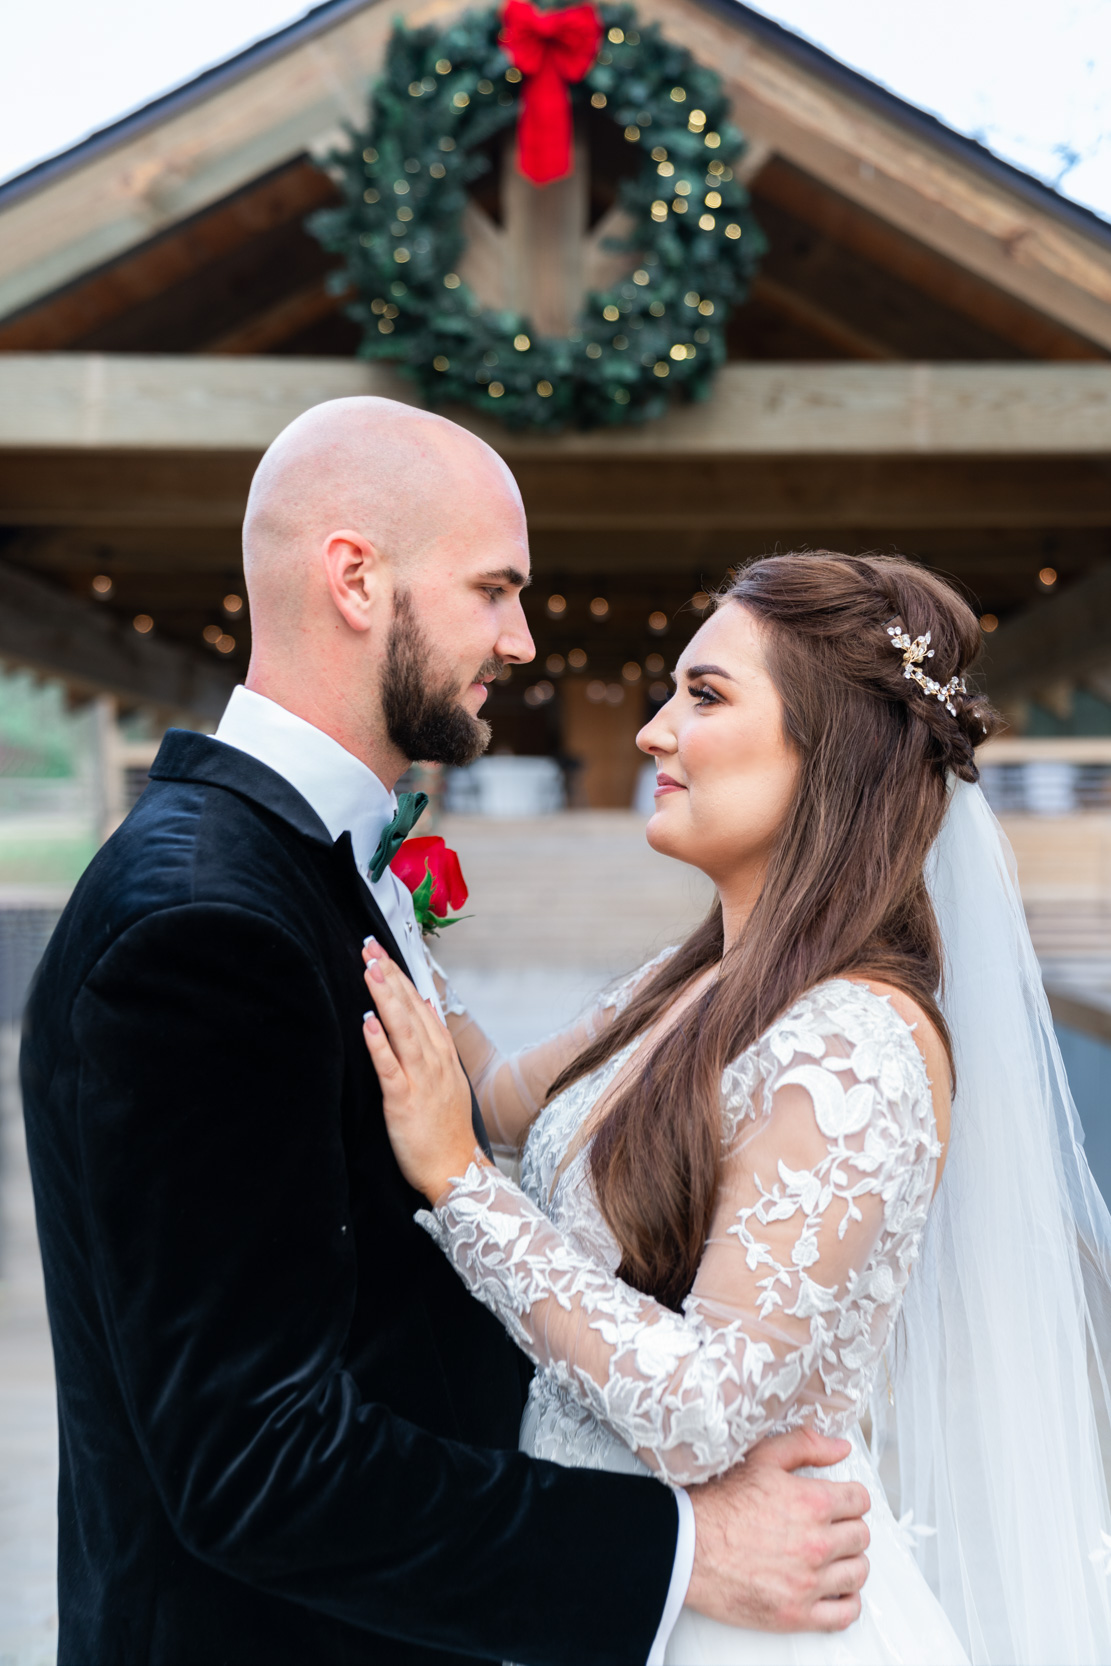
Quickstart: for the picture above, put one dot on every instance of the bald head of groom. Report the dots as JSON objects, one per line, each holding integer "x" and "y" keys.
{"x": 385, "y": 551}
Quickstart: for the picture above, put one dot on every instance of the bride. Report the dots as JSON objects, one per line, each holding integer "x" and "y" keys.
{"x": 778, "y": 1178}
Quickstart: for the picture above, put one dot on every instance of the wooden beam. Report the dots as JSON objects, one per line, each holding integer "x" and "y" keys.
{"x": 149, "y": 490}
{"x": 818, "y": 497}
{"x": 569, "y": 492}
{"x": 43, "y": 628}
{"x": 1064, "y": 637}
{"x": 178, "y": 402}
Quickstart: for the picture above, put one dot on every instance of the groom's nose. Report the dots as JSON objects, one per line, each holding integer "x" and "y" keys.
{"x": 515, "y": 642}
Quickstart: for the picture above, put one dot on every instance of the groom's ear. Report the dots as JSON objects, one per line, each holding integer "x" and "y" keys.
{"x": 356, "y": 577}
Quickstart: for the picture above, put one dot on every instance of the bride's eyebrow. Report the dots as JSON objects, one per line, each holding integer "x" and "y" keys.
{"x": 706, "y": 671}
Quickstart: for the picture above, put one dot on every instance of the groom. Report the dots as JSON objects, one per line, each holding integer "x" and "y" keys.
{"x": 288, "y": 1435}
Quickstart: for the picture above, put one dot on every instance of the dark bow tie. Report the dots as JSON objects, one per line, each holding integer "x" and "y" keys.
{"x": 410, "y": 808}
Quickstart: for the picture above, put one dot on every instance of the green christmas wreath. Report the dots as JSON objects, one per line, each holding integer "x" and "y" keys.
{"x": 443, "y": 94}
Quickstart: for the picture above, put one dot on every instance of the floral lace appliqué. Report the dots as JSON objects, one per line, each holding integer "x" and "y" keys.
{"x": 829, "y": 1157}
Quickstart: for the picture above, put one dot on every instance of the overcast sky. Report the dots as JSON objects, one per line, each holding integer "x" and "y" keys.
{"x": 1030, "y": 78}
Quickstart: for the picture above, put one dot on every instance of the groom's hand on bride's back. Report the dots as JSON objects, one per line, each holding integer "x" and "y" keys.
{"x": 776, "y": 1551}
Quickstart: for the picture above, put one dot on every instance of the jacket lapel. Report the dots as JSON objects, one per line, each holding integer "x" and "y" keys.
{"x": 349, "y": 878}
{"x": 186, "y": 756}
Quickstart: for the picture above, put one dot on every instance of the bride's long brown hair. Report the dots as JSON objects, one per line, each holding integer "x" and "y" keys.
{"x": 844, "y": 890}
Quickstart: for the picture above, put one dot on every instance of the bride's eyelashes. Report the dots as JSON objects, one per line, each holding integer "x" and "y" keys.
{"x": 703, "y": 696}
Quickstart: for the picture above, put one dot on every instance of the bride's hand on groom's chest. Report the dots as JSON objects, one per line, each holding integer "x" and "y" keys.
{"x": 426, "y": 1097}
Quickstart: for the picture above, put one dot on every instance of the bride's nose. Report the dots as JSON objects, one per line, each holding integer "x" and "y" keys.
{"x": 657, "y": 738}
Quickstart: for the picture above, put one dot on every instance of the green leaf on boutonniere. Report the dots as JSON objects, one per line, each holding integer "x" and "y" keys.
{"x": 430, "y": 924}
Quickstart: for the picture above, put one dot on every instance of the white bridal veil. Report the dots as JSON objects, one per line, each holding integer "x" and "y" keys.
{"x": 1001, "y": 1414}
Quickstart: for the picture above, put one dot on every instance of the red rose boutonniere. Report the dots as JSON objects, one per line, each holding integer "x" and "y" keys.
{"x": 433, "y": 875}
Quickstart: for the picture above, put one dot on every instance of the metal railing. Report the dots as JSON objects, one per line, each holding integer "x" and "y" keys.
{"x": 1046, "y": 777}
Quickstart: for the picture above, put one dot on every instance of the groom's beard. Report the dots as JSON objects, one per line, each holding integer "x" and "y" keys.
{"x": 424, "y": 717}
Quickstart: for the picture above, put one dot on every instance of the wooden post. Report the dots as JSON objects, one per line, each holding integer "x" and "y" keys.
{"x": 545, "y": 232}
{"x": 108, "y": 794}
{"x": 602, "y": 736}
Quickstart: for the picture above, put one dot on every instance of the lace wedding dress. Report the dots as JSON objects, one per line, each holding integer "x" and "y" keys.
{"x": 829, "y": 1161}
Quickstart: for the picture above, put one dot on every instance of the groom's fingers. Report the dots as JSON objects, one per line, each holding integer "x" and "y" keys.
{"x": 803, "y": 1447}
{"x": 843, "y": 1578}
{"x": 848, "y": 1500}
{"x": 835, "y": 1613}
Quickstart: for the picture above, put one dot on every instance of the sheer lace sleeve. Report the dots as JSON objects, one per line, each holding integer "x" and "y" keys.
{"x": 830, "y": 1152}
{"x": 511, "y": 1087}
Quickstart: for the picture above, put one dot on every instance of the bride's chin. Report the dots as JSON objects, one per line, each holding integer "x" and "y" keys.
{"x": 664, "y": 837}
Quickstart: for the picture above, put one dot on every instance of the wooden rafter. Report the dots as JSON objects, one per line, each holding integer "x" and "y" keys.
{"x": 93, "y": 652}
{"x": 848, "y": 339}
{"x": 276, "y": 324}
{"x": 1060, "y": 639}
{"x": 95, "y": 302}
{"x": 891, "y": 250}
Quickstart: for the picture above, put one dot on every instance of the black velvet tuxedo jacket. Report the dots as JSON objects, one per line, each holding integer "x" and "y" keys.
{"x": 287, "y": 1432}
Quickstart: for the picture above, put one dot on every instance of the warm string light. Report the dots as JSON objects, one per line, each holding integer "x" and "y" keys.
{"x": 218, "y": 638}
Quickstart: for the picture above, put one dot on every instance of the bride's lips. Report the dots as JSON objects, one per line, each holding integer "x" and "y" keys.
{"x": 667, "y": 784}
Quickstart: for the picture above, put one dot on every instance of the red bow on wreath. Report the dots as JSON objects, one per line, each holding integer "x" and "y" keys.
{"x": 550, "y": 49}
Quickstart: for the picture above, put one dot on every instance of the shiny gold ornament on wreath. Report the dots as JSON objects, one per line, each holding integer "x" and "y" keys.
{"x": 692, "y": 241}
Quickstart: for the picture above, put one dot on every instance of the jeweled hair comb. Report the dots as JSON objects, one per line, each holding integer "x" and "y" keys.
{"x": 914, "y": 651}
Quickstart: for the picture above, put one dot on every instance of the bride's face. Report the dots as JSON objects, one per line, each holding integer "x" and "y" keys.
{"x": 726, "y": 774}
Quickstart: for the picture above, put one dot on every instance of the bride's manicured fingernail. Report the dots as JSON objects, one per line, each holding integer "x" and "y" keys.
{"x": 367, "y": 941}
{"x": 370, "y": 1022}
{"x": 375, "y": 971}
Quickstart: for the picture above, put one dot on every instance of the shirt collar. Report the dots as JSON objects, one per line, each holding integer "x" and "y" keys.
{"x": 346, "y": 795}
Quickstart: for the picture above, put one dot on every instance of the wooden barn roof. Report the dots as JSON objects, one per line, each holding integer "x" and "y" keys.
{"x": 221, "y": 160}
{"x": 923, "y": 362}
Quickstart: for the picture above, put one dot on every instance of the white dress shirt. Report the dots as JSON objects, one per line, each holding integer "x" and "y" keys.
{"x": 349, "y": 798}
{"x": 346, "y": 795}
